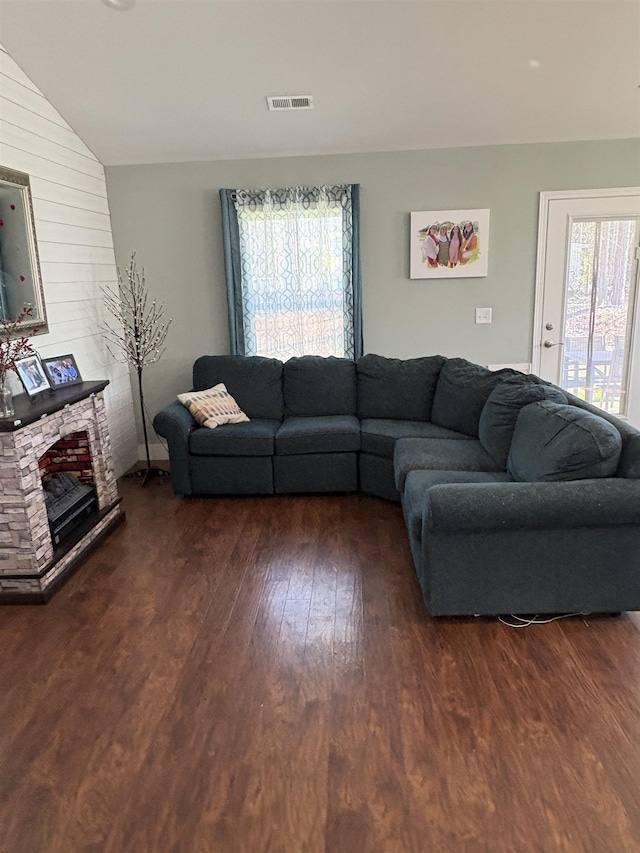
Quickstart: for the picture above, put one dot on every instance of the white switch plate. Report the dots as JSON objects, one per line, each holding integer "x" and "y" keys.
{"x": 483, "y": 315}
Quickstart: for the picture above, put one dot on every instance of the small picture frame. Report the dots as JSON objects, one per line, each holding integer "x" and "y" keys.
{"x": 31, "y": 373}
{"x": 62, "y": 371}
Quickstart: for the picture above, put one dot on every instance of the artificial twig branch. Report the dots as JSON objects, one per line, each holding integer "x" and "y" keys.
{"x": 12, "y": 345}
{"x": 139, "y": 333}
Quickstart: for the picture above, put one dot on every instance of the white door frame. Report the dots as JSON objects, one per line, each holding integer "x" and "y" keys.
{"x": 541, "y": 260}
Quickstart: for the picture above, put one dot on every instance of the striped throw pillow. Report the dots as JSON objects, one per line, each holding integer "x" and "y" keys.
{"x": 213, "y": 407}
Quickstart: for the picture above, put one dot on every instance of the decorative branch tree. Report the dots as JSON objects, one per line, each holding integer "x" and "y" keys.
{"x": 138, "y": 336}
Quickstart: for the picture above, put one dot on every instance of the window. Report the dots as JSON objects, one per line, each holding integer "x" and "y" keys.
{"x": 293, "y": 271}
{"x": 598, "y": 319}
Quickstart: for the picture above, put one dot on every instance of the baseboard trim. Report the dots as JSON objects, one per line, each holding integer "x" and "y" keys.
{"x": 634, "y": 616}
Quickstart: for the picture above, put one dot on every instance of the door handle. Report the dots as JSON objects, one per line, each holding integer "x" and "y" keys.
{"x": 549, "y": 344}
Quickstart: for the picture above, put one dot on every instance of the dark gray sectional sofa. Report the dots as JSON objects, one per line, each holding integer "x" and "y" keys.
{"x": 517, "y": 497}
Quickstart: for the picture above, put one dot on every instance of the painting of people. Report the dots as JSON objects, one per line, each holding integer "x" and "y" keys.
{"x": 449, "y": 243}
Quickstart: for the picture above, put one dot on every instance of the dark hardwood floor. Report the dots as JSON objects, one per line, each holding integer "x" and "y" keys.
{"x": 259, "y": 674}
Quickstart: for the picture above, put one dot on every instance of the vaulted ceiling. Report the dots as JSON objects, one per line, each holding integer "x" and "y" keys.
{"x": 181, "y": 80}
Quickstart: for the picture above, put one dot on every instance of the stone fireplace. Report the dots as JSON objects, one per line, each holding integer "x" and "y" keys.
{"x": 67, "y": 432}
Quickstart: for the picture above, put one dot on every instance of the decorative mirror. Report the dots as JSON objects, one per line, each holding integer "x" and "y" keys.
{"x": 20, "y": 278}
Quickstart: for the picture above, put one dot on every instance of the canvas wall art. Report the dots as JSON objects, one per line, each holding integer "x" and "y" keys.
{"x": 449, "y": 243}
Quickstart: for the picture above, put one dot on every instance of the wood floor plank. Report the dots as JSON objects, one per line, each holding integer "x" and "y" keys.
{"x": 377, "y": 797}
{"x": 240, "y": 675}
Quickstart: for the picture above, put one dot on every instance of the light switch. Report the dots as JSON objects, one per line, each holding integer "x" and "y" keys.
{"x": 483, "y": 315}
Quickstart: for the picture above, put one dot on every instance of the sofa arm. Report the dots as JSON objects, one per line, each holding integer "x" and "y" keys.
{"x": 175, "y": 423}
{"x": 489, "y": 507}
{"x": 563, "y": 547}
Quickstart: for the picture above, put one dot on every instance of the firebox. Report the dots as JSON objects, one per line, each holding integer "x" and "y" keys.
{"x": 67, "y": 481}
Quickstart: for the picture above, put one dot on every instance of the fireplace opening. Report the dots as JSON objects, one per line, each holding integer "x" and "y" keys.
{"x": 68, "y": 484}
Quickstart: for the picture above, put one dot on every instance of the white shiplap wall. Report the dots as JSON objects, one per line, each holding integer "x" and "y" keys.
{"x": 73, "y": 231}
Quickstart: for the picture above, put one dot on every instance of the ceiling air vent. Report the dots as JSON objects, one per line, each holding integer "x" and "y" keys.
{"x": 290, "y": 102}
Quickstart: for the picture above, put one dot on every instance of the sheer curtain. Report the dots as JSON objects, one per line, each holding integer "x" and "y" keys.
{"x": 293, "y": 271}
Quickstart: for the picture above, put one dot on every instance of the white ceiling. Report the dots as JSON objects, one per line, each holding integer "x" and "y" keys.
{"x": 180, "y": 80}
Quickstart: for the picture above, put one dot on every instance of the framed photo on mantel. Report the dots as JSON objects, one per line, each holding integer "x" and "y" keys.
{"x": 31, "y": 374}
{"x": 62, "y": 370}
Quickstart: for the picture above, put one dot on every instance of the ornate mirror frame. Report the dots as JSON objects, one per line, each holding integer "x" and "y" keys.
{"x": 20, "y": 276}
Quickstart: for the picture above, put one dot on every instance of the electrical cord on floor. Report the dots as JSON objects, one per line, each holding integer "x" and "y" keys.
{"x": 535, "y": 620}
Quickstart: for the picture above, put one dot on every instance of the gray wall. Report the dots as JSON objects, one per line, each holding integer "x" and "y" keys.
{"x": 170, "y": 214}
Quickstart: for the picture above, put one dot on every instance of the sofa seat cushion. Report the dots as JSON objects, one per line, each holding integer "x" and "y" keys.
{"x": 500, "y": 412}
{"x": 379, "y": 435}
{"x": 318, "y": 385}
{"x": 253, "y": 381}
{"x": 396, "y": 388}
{"x": 439, "y": 454}
{"x": 418, "y": 484}
{"x": 555, "y": 442}
{"x": 255, "y": 438}
{"x": 328, "y": 434}
{"x": 462, "y": 391}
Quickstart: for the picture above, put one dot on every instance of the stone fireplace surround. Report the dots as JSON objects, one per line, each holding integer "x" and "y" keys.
{"x": 31, "y": 567}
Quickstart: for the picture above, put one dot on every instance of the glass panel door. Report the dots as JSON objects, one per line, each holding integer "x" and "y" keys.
{"x": 601, "y": 279}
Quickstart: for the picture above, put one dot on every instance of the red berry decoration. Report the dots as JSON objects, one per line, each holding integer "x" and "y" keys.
{"x": 13, "y": 207}
{"x": 1, "y": 222}
{"x": 10, "y": 347}
{"x": 21, "y": 278}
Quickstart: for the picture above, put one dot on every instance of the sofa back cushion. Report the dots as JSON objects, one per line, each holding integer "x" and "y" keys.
{"x": 500, "y": 412}
{"x": 463, "y": 389}
{"x": 629, "y": 465}
{"x": 552, "y": 442}
{"x": 315, "y": 385}
{"x": 253, "y": 381}
{"x": 399, "y": 389}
